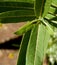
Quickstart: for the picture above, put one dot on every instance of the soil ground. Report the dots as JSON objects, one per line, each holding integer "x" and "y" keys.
{"x": 8, "y": 57}
{"x": 8, "y": 42}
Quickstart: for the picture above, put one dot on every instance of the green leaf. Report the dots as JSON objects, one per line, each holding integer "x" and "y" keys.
{"x": 16, "y": 16}
{"x": 24, "y": 28}
{"x": 16, "y": 0}
{"x": 37, "y": 45}
{"x": 9, "y": 6}
{"x": 54, "y": 3}
{"x": 31, "y": 46}
{"x": 16, "y": 11}
{"x": 42, "y": 44}
{"x": 29, "y": 25}
{"x": 42, "y": 7}
{"x": 23, "y": 48}
{"x": 49, "y": 16}
{"x": 48, "y": 26}
{"x": 53, "y": 10}
{"x": 49, "y": 29}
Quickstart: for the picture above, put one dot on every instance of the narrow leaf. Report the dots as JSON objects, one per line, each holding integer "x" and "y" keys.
{"x": 15, "y": 5}
{"x": 16, "y": 16}
{"x": 48, "y": 26}
{"x": 53, "y": 10}
{"x": 54, "y": 3}
{"x": 26, "y": 27}
{"x": 31, "y": 46}
{"x": 37, "y": 45}
{"x": 49, "y": 16}
{"x": 42, "y": 7}
{"x": 41, "y": 45}
{"x": 23, "y": 48}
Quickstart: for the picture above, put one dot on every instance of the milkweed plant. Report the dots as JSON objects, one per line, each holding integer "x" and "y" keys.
{"x": 39, "y": 34}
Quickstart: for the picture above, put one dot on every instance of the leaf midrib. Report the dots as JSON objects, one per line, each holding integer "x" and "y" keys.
{"x": 18, "y": 16}
{"x": 18, "y": 7}
{"x": 41, "y": 8}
